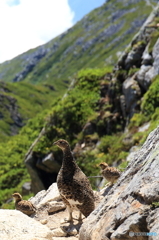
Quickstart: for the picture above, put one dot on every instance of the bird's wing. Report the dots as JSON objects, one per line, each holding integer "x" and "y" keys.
{"x": 25, "y": 206}
{"x": 112, "y": 172}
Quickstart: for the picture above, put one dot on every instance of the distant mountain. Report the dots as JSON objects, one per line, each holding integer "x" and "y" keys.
{"x": 95, "y": 41}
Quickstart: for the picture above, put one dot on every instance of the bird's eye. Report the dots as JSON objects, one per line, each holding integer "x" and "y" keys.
{"x": 60, "y": 141}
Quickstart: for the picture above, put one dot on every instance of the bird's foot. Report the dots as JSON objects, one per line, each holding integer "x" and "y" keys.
{"x": 67, "y": 220}
{"x": 109, "y": 184}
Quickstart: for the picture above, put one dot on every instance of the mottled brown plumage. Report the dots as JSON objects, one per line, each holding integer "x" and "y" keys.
{"x": 111, "y": 174}
{"x": 24, "y": 206}
{"x": 73, "y": 185}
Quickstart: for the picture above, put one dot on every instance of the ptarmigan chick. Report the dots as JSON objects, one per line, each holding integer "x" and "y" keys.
{"x": 73, "y": 185}
{"x": 111, "y": 174}
{"x": 24, "y": 206}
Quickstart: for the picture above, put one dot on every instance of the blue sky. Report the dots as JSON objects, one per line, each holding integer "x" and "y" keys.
{"x": 26, "y": 24}
{"x": 82, "y": 7}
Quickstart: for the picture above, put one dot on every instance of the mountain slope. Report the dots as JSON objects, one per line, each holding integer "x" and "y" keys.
{"x": 92, "y": 116}
{"x": 20, "y": 102}
{"x": 95, "y": 41}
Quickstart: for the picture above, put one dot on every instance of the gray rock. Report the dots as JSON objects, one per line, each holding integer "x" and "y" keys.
{"x": 30, "y": 162}
{"x": 146, "y": 58}
{"x": 131, "y": 91}
{"x": 142, "y": 78}
{"x": 51, "y": 164}
{"x": 44, "y": 197}
{"x": 42, "y": 169}
{"x": 26, "y": 188}
{"x": 127, "y": 206}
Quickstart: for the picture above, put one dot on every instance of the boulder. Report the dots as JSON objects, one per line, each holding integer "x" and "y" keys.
{"x": 14, "y": 225}
{"x": 143, "y": 81}
{"x": 127, "y": 209}
{"x": 44, "y": 197}
{"x": 43, "y": 170}
{"x": 132, "y": 93}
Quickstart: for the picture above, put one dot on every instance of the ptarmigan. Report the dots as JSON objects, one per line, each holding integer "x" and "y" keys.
{"x": 73, "y": 185}
{"x": 24, "y": 206}
{"x": 111, "y": 174}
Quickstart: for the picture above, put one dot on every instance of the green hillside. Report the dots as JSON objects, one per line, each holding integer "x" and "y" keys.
{"x": 92, "y": 115}
{"x": 20, "y": 102}
{"x": 95, "y": 41}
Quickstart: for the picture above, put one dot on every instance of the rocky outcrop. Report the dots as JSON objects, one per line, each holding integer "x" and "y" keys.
{"x": 31, "y": 61}
{"x": 123, "y": 211}
{"x": 9, "y": 104}
{"x": 127, "y": 209}
{"x": 15, "y": 225}
{"x": 43, "y": 170}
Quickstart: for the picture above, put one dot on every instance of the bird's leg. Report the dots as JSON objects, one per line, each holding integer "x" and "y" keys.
{"x": 80, "y": 217}
{"x": 70, "y": 218}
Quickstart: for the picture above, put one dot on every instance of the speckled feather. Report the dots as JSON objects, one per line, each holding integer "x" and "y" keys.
{"x": 110, "y": 173}
{"x": 23, "y": 205}
{"x": 73, "y": 184}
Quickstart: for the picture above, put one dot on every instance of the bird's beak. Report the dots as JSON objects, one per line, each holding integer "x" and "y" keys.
{"x": 54, "y": 143}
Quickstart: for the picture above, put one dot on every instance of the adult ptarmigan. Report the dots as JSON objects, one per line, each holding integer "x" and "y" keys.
{"x": 73, "y": 185}
{"x": 24, "y": 206}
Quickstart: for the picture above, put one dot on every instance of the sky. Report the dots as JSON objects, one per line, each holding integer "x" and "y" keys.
{"x": 26, "y": 24}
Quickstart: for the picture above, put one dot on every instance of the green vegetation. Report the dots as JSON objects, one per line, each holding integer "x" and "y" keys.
{"x": 88, "y": 44}
{"x": 151, "y": 98}
{"x": 20, "y": 102}
{"x": 149, "y": 113}
{"x": 155, "y": 204}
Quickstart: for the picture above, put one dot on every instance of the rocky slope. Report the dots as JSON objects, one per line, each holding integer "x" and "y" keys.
{"x": 127, "y": 210}
{"x": 95, "y": 41}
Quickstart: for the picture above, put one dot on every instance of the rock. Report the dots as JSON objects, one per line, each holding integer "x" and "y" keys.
{"x": 50, "y": 163}
{"x": 144, "y": 127}
{"x": 55, "y": 206}
{"x": 17, "y": 226}
{"x": 43, "y": 221}
{"x": 26, "y": 188}
{"x": 44, "y": 197}
{"x": 70, "y": 230}
{"x": 127, "y": 207}
{"x": 131, "y": 91}
{"x": 153, "y": 223}
{"x": 146, "y": 58}
{"x": 134, "y": 56}
{"x": 58, "y": 232}
{"x": 43, "y": 170}
{"x": 154, "y": 70}
{"x": 31, "y": 61}
{"x": 30, "y": 162}
{"x": 143, "y": 81}
{"x": 133, "y": 150}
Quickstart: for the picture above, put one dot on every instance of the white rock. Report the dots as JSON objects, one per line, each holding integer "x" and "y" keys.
{"x": 43, "y": 197}
{"x": 43, "y": 221}
{"x": 55, "y": 206}
{"x": 14, "y": 225}
{"x": 58, "y": 232}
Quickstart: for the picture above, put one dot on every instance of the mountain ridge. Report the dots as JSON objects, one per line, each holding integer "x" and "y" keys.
{"x": 91, "y": 42}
